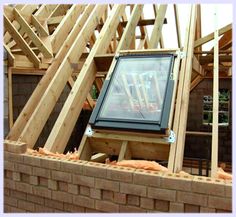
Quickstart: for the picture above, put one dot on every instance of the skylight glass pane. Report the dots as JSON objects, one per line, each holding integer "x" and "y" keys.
{"x": 137, "y": 89}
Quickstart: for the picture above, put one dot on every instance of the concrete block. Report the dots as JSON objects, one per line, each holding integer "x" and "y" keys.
{"x": 207, "y": 210}
{"x": 44, "y": 209}
{"x": 35, "y": 199}
{"x": 12, "y": 157}
{"x": 51, "y": 163}
{"x": 8, "y": 174}
{"x": 10, "y": 201}
{"x": 75, "y": 167}
{"x": 133, "y": 200}
{"x": 147, "y": 203}
{"x": 22, "y": 168}
{"x": 106, "y": 206}
{"x": 130, "y": 209}
{"x": 18, "y": 194}
{"x": 89, "y": 210}
{"x": 83, "y": 201}
{"x": 25, "y": 178}
{"x": 220, "y": 203}
{"x": 16, "y": 176}
{"x": 6, "y": 191}
{"x": 146, "y": 177}
{"x": 9, "y": 165}
{"x": 52, "y": 184}
{"x": 62, "y": 196}
{"x": 107, "y": 195}
{"x": 192, "y": 198}
{"x": 84, "y": 190}
{"x": 41, "y": 172}
{"x": 73, "y": 189}
{"x": 107, "y": 184}
{"x": 123, "y": 174}
{"x": 32, "y": 160}
{"x": 24, "y": 187}
{"x": 162, "y": 205}
{"x": 176, "y": 207}
{"x": 176, "y": 181}
{"x": 209, "y": 186}
{"x": 55, "y": 204}
{"x": 15, "y": 147}
{"x": 8, "y": 183}
{"x": 29, "y": 206}
{"x": 162, "y": 194}
{"x": 228, "y": 189}
{"x": 61, "y": 176}
{"x": 191, "y": 208}
{"x": 95, "y": 193}
{"x": 83, "y": 180}
{"x": 73, "y": 208}
{"x": 42, "y": 191}
{"x": 43, "y": 181}
{"x": 133, "y": 189}
{"x": 223, "y": 211}
{"x": 33, "y": 180}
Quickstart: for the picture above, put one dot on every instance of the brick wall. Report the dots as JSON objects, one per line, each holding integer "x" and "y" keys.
{"x": 35, "y": 183}
{"x": 200, "y": 146}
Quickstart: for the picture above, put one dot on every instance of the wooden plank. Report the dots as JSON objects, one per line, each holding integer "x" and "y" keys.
{"x": 198, "y": 133}
{"x": 10, "y": 56}
{"x": 210, "y": 58}
{"x": 85, "y": 150}
{"x": 196, "y": 66}
{"x": 210, "y": 36}
{"x": 10, "y": 100}
{"x": 61, "y": 9}
{"x": 21, "y": 42}
{"x": 195, "y": 82}
{"x": 64, "y": 125}
{"x": 215, "y": 134}
{"x": 45, "y": 10}
{"x": 39, "y": 27}
{"x": 157, "y": 28}
{"x": 125, "y": 153}
{"x": 99, "y": 157}
{"x": 30, "y": 134}
{"x": 177, "y": 26}
{"x": 54, "y": 20}
{"x": 40, "y": 89}
{"x": 65, "y": 26}
{"x": 32, "y": 35}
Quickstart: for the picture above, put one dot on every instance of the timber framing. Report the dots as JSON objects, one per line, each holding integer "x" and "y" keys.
{"x": 78, "y": 45}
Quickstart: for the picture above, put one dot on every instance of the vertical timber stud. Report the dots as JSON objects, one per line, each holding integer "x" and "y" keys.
{"x": 214, "y": 146}
{"x": 46, "y": 104}
{"x": 10, "y": 101}
{"x": 68, "y": 116}
{"x": 181, "y": 110}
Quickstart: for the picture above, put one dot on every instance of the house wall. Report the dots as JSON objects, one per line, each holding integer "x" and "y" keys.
{"x": 35, "y": 183}
{"x": 200, "y": 146}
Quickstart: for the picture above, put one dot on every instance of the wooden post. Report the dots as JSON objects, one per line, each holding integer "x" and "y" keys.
{"x": 214, "y": 150}
{"x": 10, "y": 102}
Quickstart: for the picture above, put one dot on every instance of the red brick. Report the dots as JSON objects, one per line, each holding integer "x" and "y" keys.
{"x": 35, "y": 199}
{"x": 9, "y": 165}
{"x": 107, "y": 195}
{"x": 73, "y": 208}
{"x": 6, "y": 191}
{"x": 54, "y": 204}
{"x": 191, "y": 208}
{"x": 13, "y": 209}
{"x": 95, "y": 193}
{"x": 133, "y": 200}
{"x": 26, "y": 205}
{"x": 41, "y": 172}
{"x": 162, "y": 205}
{"x": 209, "y": 186}
{"x": 147, "y": 177}
{"x": 16, "y": 176}
{"x": 18, "y": 194}
{"x": 84, "y": 190}
{"x": 120, "y": 198}
{"x": 95, "y": 169}
{"x": 73, "y": 189}
{"x": 220, "y": 203}
{"x": 147, "y": 203}
{"x": 62, "y": 186}
{"x": 133, "y": 189}
{"x": 25, "y": 178}
{"x": 107, "y": 184}
{"x": 88, "y": 210}
{"x": 42, "y": 191}
{"x": 22, "y": 168}
{"x": 106, "y": 206}
{"x": 52, "y": 184}
{"x": 75, "y": 167}
{"x": 43, "y": 181}
{"x": 176, "y": 207}
{"x": 8, "y": 174}
{"x": 161, "y": 194}
{"x": 10, "y": 201}
{"x": 8, "y": 183}
{"x": 176, "y": 182}
{"x": 207, "y": 210}
{"x": 40, "y": 208}
{"x": 6, "y": 208}
{"x": 13, "y": 157}
{"x": 51, "y": 163}
{"x": 123, "y": 174}
{"x": 192, "y": 198}
{"x": 24, "y": 187}
{"x": 130, "y": 209}
{"x": 223, "y": 211}
{"x": 83, "y": 201}
{"x": 62, "y": 196}
{"x": 61, "y": 176}
{"x": 83, "y": 180}
{"x": 32, "y": 160}
{"x": 34, "y": 180}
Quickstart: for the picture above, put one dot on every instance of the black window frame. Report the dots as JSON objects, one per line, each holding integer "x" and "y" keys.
{"x": 97, "y": 122}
